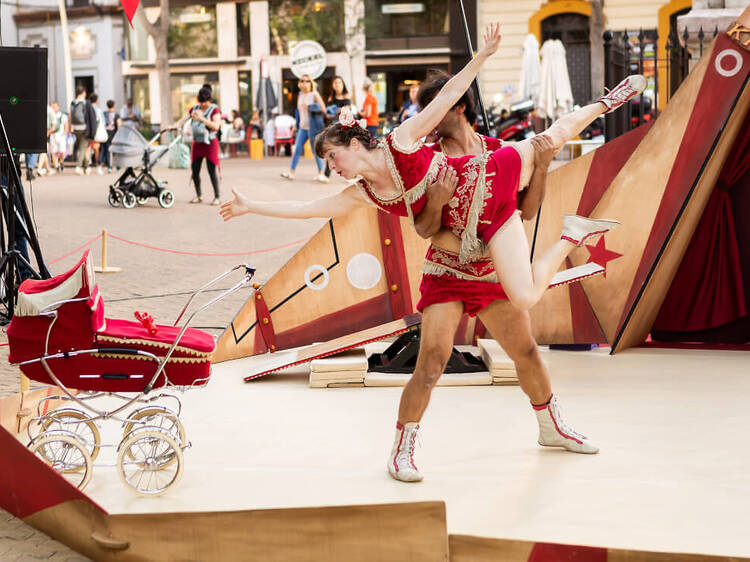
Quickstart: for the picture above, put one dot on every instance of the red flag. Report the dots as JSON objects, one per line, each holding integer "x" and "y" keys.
{"x": 130, "y": 6}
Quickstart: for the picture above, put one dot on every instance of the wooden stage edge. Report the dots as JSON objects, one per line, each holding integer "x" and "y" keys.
{"x": 355, "y": 532}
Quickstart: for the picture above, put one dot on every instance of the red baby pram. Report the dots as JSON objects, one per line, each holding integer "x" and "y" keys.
{"x": 59, "y": 335}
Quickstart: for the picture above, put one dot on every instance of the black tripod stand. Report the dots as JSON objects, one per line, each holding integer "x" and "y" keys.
{"x": 15, "y": 232}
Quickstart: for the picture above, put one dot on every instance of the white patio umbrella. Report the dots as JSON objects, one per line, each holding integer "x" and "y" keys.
{"x": 529, "y": 85}
{"x": 555, "y": 94}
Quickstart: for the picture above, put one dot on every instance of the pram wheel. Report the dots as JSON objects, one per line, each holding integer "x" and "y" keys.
{"x": 128, "y": 200}
{"x": 141, "y": 200}
{"x": 115, "y": 196}
{"x": 65, "y": 453}
{"x": 150, "y": 461}
{"x": 156, "y": 416}
{"x": 76, "y": 422}
{"x": 166, "y": 198}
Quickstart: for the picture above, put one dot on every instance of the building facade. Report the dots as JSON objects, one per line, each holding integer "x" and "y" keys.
{"x": 96, "y": 45}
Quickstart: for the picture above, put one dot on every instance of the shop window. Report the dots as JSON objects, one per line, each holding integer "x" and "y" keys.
{"x": 243, "y": 29}
{"x": 184, "y": 88}
{"x": 141, "y": 98}
{"x": 292, "y": 21}
{"x": 192, "y": 32}
{"x": 137, "y": 41}
{"x": 388, "y": 18}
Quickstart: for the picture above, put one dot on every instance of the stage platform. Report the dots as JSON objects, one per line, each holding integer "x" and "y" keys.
{"x": 671, "y": 475}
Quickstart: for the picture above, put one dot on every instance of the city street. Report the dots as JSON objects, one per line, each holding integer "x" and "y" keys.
{"x": 70, "y": 210}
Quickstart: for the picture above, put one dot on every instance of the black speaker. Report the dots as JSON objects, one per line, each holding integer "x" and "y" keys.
{"x": 23, "y": 97}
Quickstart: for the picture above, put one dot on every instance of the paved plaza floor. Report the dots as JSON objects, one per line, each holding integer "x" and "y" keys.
{"x": 70, "y": 210}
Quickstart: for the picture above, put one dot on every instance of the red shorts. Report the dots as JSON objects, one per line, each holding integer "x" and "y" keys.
{"x": 503, "y": 175}
{"x": 446, "y": 279}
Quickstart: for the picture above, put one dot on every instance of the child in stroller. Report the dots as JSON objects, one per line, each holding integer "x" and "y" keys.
{"x": 59, "y": 336}
{"x": 130, "y": 150}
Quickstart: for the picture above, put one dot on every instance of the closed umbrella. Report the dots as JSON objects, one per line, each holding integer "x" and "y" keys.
{"x": 529, "y": 85}
{"x": 555, "y": 93}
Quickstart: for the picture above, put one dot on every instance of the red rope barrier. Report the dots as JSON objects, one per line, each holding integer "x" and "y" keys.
{"x": 94, "y": 239}
{"x": 182, "y": 252}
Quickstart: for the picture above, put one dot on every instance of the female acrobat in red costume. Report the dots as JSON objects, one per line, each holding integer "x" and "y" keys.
{"x": 394, "y": 175}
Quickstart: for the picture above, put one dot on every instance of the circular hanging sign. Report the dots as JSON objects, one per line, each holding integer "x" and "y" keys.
{"x": 308, "y": 57}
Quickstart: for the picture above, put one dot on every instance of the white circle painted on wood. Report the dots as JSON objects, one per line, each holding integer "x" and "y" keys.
{"x": 364, "y": 271}
{"x": 310, "y": 273}
{"x": 727, "y": 73}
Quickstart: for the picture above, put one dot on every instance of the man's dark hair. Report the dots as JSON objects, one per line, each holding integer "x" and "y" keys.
{"x": 93, "y": 98}
{"x": 110, "y": 104}
{"x": 435, "y": 82}
{"x": 80, "y": 90}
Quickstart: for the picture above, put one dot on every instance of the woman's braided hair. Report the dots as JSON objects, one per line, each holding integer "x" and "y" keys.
{"x": 338, "y": 135}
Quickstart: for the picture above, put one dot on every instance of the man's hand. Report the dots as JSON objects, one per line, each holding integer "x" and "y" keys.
{"x": 544, "y": 150}
{"x": 439, "y": 192}
{"x": 444, "y": 186}
{"x": 236, "y": 207}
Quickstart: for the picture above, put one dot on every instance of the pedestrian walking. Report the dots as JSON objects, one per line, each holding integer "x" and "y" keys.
{"x": 309, "y": 123}
{"x": 205, "y": 121}
{"x": 100, "y": 136}
{"x": 83, "y": 125}
{"x": 370, "y": 108}
{"x": 58, "y": 139}
{"x": 337, "y": 100}
{"x": 110, "y": 125}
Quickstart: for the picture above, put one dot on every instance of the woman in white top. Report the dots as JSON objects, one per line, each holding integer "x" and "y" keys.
{"x": 308, "y": 95}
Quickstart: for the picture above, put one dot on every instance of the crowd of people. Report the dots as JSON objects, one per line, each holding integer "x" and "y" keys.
{"x": 85, "y": 131}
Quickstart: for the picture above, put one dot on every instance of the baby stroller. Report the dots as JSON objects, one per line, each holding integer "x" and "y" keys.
{"x": 137, "y": 155}
{"x": 59, "y": 335}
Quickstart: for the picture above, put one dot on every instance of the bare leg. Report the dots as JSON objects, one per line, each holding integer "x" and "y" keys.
{"x": 511, "y": 328}
{"x": 524, "y": 282}
{"x": 561, "y": 131}
{"x": 439, "y": 324}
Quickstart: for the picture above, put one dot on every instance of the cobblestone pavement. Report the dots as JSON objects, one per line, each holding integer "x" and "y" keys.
{"x": 70, "y": 210}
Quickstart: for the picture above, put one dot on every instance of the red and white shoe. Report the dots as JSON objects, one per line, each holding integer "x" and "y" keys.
{"x": 625, "y": 91}
{"x": 577, "y": 229}
{"x": 401, "y": 462}
{"x": 554, "y": 433}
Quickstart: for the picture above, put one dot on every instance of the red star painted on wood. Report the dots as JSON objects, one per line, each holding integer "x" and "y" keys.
{"x": 600, "y": 255}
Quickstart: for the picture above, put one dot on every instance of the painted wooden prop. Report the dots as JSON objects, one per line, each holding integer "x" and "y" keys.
{"x": 358, "y": 272}
{"x": 656, "y": 180}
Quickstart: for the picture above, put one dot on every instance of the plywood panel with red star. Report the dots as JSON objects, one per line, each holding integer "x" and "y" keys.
{"x": 656, "y": 186}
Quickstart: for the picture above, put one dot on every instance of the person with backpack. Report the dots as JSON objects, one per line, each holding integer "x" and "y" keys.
{"x": 205, "y": 123}
{"x": 83, "y": 125}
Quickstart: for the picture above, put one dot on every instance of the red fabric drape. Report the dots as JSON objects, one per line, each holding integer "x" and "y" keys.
{"x": 707, "y": 290}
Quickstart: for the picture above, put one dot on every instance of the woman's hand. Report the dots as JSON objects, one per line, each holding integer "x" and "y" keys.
{"x": 240, "y": 205}
{"x": 492, "y": 39}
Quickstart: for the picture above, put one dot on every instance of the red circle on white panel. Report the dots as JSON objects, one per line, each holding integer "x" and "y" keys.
{"x": 735, "y": 65}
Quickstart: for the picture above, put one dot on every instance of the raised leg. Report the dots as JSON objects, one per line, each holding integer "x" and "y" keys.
{"x": 524, "y": 282}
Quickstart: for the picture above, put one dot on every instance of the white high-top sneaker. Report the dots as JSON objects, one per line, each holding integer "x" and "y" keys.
{"x": 554, "y": 433}
{"x": 401, "y": 462}
{"x": 625, "y": 91}
{"x": 577, "y": 229}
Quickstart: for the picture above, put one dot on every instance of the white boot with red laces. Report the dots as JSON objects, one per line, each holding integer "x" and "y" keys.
{"x": 625, "y": 91}
{"x": 577, "y": 229}
{"x": 401, "y": 462}
{"x": 554, "y": 433}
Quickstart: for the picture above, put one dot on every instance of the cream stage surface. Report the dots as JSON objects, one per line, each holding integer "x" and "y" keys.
{"x": 671, "y": 475}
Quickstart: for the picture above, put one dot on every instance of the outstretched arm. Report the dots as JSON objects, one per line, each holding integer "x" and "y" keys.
{"x": 530, "y": 199}
{"x": 426, "y": 120}
{"x": 438, "y": 193}
{"x": 333, "y": 206}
